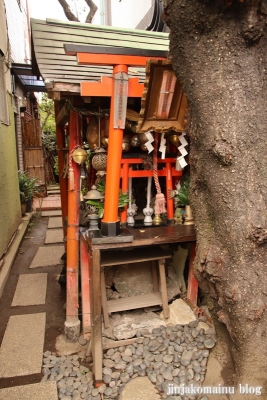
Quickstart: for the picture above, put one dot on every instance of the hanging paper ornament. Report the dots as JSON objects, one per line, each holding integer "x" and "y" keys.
{"x": 162, "y": 147}
{"x": 180, "y": 159}
{"x": 150, "y": 139}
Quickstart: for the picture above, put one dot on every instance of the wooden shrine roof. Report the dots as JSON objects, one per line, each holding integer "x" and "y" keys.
{"x": 61, "y": 72}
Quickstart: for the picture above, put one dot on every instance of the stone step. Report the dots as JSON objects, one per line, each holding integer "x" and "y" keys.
{"x": 54, "y": 222}
{"x": 140, "y": 389}
{"x": 21, "y": 351}
{"x": 51, "y": 213}
{"x": 54, "y": 236}
{"x": 30, "y": 290}
{"x": 52, "y": 192}
{"x": 48, "y": 256}
{"x": 40, "y": 391}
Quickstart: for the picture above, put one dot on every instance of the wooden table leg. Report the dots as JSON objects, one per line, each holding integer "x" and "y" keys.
{"x": 166, "y": 311}
{"x": 104, "y": 300}
{"x": 154, "y": 275}
{"x": 97, "y": 350}
{"x": 85, "y": 289}
{"x": 192, "y": 289}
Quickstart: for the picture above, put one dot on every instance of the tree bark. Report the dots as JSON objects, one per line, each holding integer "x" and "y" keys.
{"x": 93, "y": 10}
{"x": 67, "y": 11}
{"x": 218, "y": 51}
{"x": 71, "y": 17}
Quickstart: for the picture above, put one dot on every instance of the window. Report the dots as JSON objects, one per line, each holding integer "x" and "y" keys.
{"x": 3, "y": 92}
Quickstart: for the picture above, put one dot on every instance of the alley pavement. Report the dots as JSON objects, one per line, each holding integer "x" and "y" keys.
{"x": 28, "y": 322}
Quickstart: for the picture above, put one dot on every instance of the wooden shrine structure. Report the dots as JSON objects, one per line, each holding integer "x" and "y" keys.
{"x": 88, "y": 70}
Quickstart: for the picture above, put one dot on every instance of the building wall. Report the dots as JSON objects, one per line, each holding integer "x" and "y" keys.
{"x": 128, "y": 14}
{"x": 10, "y": 213}
{"x": 18, "y": 30}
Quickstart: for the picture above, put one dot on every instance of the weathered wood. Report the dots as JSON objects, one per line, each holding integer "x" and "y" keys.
{"x": 152, "y": 237}
{"x": 31, "y": 132}
{"x": 34, "y": 163}
{"x": 55, "y": 96}
{"x": 63, "y": 116}
{"x": 85, "y": 289}
{"x": 164, "y": 295}
{"x": 104, "y": 300}
{"x": 134, "y": 302}
{"x": 133, "y": 256}
{"x": 154, "y": 275}
{"x": 65, "y": 88}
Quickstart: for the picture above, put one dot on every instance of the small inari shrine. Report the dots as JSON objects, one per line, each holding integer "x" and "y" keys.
{"x": 123, "y": 165}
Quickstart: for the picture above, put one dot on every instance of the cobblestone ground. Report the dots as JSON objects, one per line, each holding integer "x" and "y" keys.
{"x": 171, "y": 357}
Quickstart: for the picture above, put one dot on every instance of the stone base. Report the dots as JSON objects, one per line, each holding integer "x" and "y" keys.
{"x": 110, "y": 228}
{"x": 72, "y": 330}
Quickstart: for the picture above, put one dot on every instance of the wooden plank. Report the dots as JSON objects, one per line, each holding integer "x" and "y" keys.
{"x": 66, "y": 87}
{"x": 85, "y": 289}
{"x": 152, "y": 236}
{"x": 110, "y": 258}
{"x": 154, "y": 275}
{"x": 31, "y": 132}
{"x": 131, "y": 303}
{"x": 104, "y": 300}
{"x": 164, "y": 295}
{"x": 63, "y": 116}
{"x": 34, "y": 163}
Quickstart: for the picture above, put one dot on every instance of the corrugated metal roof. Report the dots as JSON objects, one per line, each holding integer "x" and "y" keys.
{"x": 49, "y": 37}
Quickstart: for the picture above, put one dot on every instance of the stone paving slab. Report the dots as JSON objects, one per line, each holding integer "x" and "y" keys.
{"x": 47, "y": 256}
{"x": 51, "y": 213}
{"x": 54, "y": 236}
{"x": 54, "y": 222}
{"x": 30, "y": 290}
{"x": 40, "y": 391}
{"x": 139, "y": 389}
{"x": 21, "y": 351}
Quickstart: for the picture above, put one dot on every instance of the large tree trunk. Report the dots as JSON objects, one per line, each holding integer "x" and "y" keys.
{"x": 219, "y": 53}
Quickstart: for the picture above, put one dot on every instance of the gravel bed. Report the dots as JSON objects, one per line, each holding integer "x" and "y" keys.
{"x": 175, "y": 355}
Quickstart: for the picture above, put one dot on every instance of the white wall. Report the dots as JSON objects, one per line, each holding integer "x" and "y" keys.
{"x": 128, "y": 13}
{"x": 18, "y": 31}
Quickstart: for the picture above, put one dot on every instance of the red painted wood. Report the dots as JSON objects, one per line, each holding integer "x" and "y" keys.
{"x": 85, "y": 288}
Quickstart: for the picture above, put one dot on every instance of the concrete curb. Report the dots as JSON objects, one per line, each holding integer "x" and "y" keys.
{"x": 12, "y": 251}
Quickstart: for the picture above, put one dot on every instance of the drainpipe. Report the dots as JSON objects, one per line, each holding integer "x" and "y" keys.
{"x": 72, "y": 323}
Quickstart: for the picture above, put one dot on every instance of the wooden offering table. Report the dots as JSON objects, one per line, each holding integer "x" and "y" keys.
{"x": 95, "y": 256}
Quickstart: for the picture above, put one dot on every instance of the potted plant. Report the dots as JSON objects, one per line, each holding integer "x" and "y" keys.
{"x": 28, "y": 188}
{"x": 182, "y": 198}
{"x": 99, "y": 204}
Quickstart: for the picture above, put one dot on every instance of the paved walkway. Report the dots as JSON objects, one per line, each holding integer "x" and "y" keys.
{"x": 22, "y": 347}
